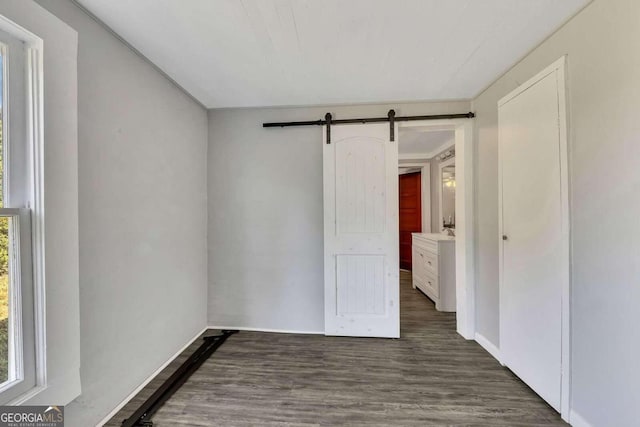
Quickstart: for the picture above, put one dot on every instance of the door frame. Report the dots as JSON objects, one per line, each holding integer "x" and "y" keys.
{"x": 465, "y": 251}
{"x": 559, "y": 67}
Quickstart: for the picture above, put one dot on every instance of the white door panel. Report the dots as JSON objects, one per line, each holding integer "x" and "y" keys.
{"x": 361, "y": 232}
{"x": 532, "y": 264}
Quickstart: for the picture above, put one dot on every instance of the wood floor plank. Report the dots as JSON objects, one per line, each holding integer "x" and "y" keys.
{"x": 429, "y": 377}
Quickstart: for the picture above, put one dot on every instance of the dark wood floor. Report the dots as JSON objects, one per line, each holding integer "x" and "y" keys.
{"x": 430, "y": 376}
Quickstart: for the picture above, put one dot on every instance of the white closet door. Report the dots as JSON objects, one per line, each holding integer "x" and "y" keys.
{"x": 361, "y": 232}
{"x": 534, "y": 267}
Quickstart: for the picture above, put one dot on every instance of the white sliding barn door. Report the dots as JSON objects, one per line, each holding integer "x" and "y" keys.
{"x": 361, "y": 271}
{"x": 534, "y": 228}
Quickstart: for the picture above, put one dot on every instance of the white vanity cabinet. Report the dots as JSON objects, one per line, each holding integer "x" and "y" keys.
{"x": 433, "y": 261}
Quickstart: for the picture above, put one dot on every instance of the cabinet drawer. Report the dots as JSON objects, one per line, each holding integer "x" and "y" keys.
{"x": 431, "y": 282}
{"x": 418, "y": 264}
{"x": 429, "y": 260}
{"x": 426, "y": 244}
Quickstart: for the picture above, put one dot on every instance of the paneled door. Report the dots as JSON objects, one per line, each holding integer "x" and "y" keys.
{"x": 410, "y": 214}
{"x": 361, "y": 271}
{"x": 534, "y": 268}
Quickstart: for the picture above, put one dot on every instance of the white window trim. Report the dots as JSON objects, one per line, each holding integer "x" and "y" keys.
{"x": 58, "y": 112}
{"x": 35, "y": 104}
{"x": 35, "y": 124}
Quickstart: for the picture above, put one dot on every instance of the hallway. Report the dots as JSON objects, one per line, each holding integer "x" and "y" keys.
{"x": 430, "y": 376}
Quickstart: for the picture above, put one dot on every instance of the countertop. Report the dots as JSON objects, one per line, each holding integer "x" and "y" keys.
{"x": 434, "y": 236}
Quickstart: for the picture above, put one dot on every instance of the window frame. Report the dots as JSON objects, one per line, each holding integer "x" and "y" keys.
{"x": 23, "y": 155}
{"x": 21, "y": 351}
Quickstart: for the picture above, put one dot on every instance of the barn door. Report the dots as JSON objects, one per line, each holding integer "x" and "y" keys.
{"x": 361, "y": 271}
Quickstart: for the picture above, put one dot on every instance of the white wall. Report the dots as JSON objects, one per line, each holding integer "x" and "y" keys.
{"x": 265, "y": 214}
{"x": 142, "y": 209}
{"x": 603, "y": 47}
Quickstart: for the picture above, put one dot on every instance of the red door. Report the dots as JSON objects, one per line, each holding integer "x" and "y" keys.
{"x": 410, "y": 214}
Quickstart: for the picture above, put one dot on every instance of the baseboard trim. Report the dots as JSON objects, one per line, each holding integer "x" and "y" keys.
{"x": 149, "y": 378}
{"x": 488, "y": 346}
{"x": 276, "y": 331}
{"x": 576, "y": 420}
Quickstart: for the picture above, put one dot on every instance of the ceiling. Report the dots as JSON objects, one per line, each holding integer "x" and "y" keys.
{"x": 248, "y": 53}
{"x": 420, "y": 143}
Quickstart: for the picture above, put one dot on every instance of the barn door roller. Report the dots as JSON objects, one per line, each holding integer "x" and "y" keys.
{"x": 392, "y": 126}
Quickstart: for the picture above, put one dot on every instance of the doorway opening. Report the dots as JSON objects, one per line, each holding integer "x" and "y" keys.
{"x": 361, "y": 233}
{"x": 435, "y": 218}
{"x": 432, "y": 281}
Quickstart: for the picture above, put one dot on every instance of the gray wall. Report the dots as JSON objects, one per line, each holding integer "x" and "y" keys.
{"x": 142, "y": 213}
{"x": 603, "y": 45}
{"x": 265, "y": 214}
{"x": 143, "y": 169}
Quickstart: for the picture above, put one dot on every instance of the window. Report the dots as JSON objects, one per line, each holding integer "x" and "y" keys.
{"x": 43, "y": 318}
{"x": 17, "y": 313}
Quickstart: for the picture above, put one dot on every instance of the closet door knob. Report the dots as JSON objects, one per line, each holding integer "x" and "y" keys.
{"x": 504, "y": 237}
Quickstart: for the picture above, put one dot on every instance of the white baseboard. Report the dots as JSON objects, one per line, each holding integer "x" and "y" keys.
{"x": 148, "y": 380}
{"x": 488, "y": 345}
{"x": 576, "y": 420}
{"x": 277, "y": 331}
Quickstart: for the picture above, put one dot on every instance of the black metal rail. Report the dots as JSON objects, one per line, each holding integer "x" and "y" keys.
{"x": 391, "y": 118}
{"x": 142, "y": 416}
{"x": 469, "y": 115}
